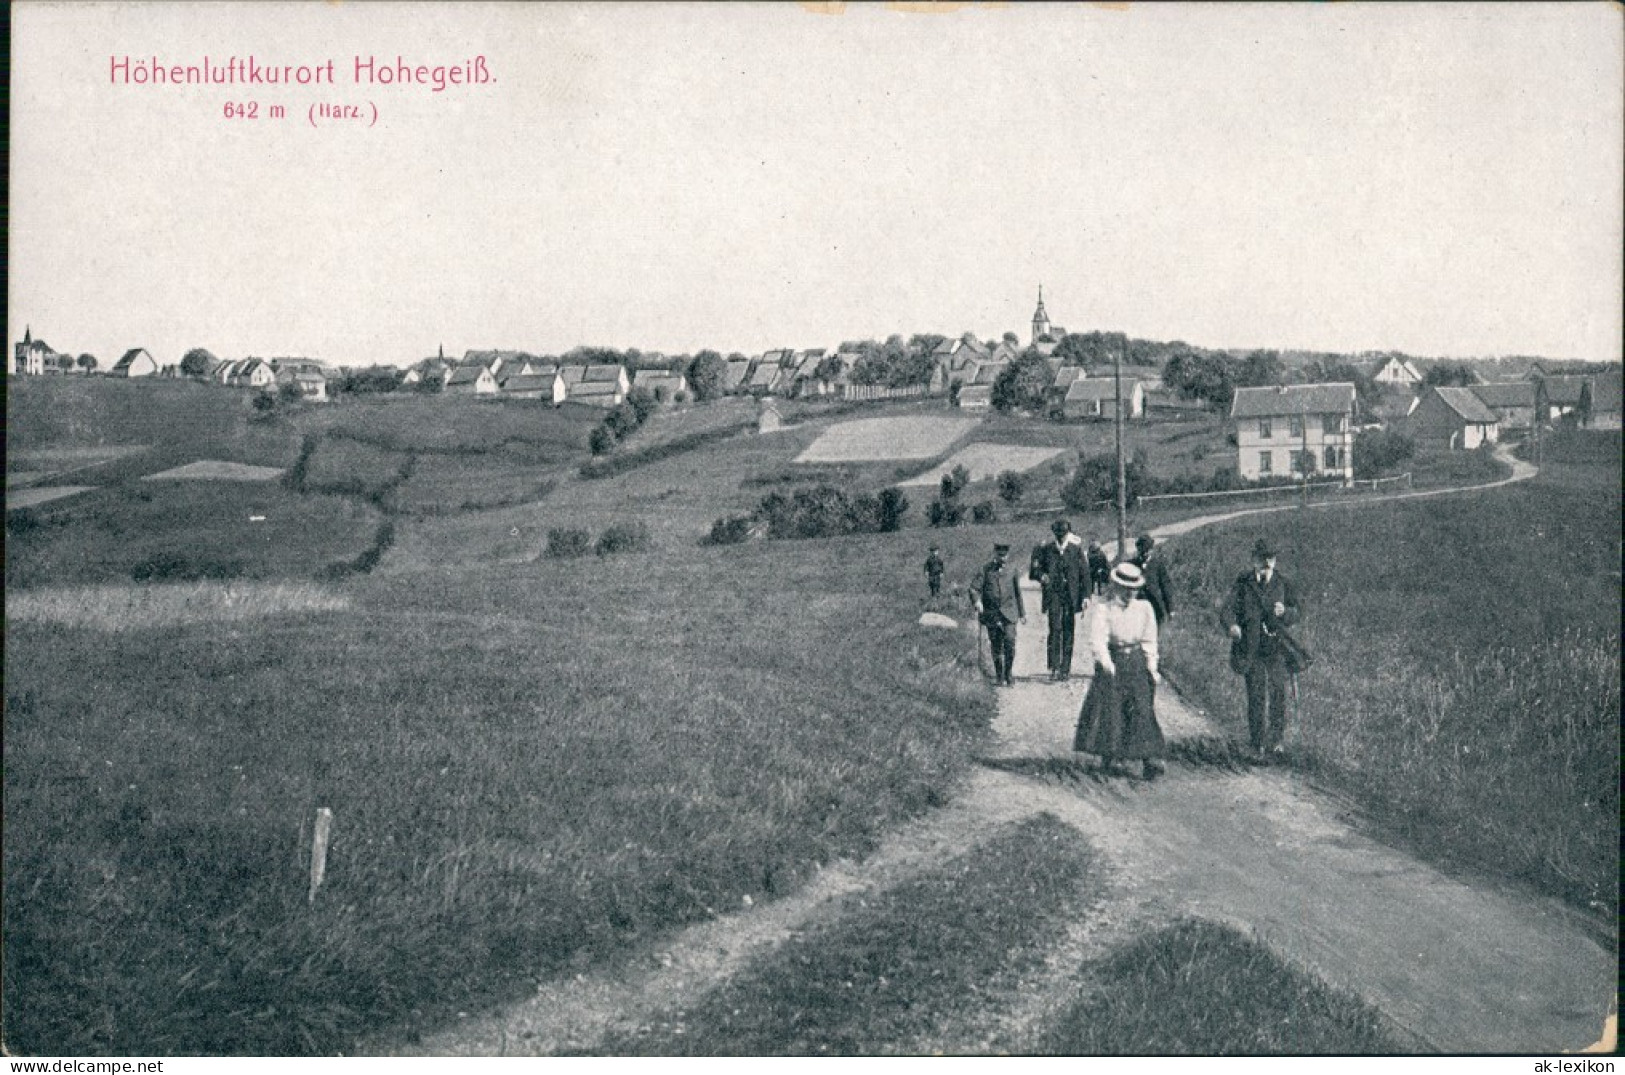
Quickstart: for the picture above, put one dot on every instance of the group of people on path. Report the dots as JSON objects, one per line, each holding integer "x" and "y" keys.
{"x": 1123, "y": 607}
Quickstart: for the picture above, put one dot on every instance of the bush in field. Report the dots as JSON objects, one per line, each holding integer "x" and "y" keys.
{"x": 600, "y": 440}
{"x": 730, "y": 530}
{"x": 983, "y": 511}
{"x": 622, "y": 420}
{"x": 893, "y": 505}
{"x": 1012, "y": 487}
{"x": 566, "y": 542}
{"x": 643, "y": 404}
{"x": 622, "y": 537}
{"x": 945, "y": 512}
{"x": 1379, "y": 450}
{"x": 821, "y": 511}
{"x": 1096, "y": 480}
{"x": 265, "y": 407}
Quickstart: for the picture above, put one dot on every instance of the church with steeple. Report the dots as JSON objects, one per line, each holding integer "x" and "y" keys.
{"x": 31, "y": 354}
{"x": 1041, "y": 326}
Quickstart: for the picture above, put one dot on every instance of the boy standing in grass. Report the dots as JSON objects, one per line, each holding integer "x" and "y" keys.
{"x": 933, "y": 571}
{"x": 1262, "y": 605}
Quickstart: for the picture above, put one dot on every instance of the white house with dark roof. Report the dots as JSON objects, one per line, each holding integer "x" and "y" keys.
{"x": 1513, "y": 402}
{"x": 1398, "y": 371}
{"x": 1453, "y": 416}
{"x": 975, "y": 397}
{"x": 1097, "y": 398}
{"x": 531, "y": 386}
{"x": 1290, "y": 430}
{"x": 608, "y": 373}
{"x": 475, "y": 379}
{"x": 604, "y": 394}
{"x": 136, "y": 362}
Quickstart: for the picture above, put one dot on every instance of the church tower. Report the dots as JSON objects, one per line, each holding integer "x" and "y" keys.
{"x": 1040, "y": 318}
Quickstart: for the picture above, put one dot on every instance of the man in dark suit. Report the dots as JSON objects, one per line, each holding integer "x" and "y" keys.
{"x": 999, "y": 608}
{"x": 1261, "y": 605}
{"x": 1058, "y": 566}
{"x": 1156, "y": 589}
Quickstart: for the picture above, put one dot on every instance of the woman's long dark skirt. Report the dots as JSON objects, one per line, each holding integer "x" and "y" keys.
{"x": 1117, "y": 719}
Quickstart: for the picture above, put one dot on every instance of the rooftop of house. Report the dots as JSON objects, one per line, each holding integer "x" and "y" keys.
{"x": 529, "y": 382}
{"x": 1098, "y": 388}
{"x": 1270, "y": 400}
{"x": 1507, "y": 394}
{"x": 1466, "y": 404}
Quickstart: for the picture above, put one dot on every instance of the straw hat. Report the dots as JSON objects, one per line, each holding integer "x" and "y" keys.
{"x": 1127, "y": 576}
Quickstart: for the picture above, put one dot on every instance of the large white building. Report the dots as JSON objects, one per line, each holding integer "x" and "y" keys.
{"x": 1282, "y": 431}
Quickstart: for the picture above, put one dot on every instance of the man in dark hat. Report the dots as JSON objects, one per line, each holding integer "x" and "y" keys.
{"x": 999, "y": 609}
{"x": 1058, "y": 566}
{"x": 1156, "y": 589}
{"x": 1261, "y": 606}
{"x": 1100, "y": 569}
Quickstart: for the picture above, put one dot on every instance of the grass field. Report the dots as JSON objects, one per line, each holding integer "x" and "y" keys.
{"x": 173, "y": 422}
{"x": 529, "y": 768}
{"x": 183, "y": 529}
{"x": 1201, "y": 989}
{"x": 533, "y": 429}
{"x": 1467, "y": 688}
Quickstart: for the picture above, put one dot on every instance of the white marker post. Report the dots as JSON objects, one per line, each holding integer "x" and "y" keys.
{"x": 318, "y": 850}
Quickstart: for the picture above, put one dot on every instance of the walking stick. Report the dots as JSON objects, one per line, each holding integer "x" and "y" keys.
{"x": 1292, "y": 697}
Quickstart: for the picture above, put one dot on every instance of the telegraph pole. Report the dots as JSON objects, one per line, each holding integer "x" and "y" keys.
{"x": 1122, "y": 481}
{"x": 1303, "y": 456}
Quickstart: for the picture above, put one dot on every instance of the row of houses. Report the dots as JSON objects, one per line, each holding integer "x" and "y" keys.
{"x": 35, "y": 358}
{"x": 1288, "y": 430}
{"x": 514, "y": 375}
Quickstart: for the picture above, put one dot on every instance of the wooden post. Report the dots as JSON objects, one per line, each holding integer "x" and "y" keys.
{"x": 1122, "y": 481}
{"x": 318, "y": 850}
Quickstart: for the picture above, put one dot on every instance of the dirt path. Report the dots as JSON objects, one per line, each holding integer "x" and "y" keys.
{"x": 1456, "y": 968}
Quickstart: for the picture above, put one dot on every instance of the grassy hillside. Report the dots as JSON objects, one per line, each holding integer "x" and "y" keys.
{"x": 175, "y": 421}
{"x": 1467, "y": 689}
{"x": 166, "y": 530}
{"x": 530, "y": 768}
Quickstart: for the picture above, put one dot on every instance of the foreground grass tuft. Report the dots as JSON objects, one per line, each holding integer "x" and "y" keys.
{"x": 894, "y": 967}
{"x": 1200, "y": 989}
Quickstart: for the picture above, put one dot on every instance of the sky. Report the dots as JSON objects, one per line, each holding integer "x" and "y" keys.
{"x": 1439, "y": 179}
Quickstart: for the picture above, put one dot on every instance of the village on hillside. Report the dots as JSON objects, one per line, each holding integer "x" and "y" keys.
{"x": 1291, "y": 414}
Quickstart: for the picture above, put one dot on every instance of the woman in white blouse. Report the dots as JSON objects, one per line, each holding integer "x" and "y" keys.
{"x": 1117, "y": 721}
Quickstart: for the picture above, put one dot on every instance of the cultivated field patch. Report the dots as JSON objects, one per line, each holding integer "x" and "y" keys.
{"x": 908, "y": 437}
{"x": 125, "y": 608}
{"x": 217, "y": 470}
{"x": 988, "y": 461}
{"x": 27, "y": 498}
